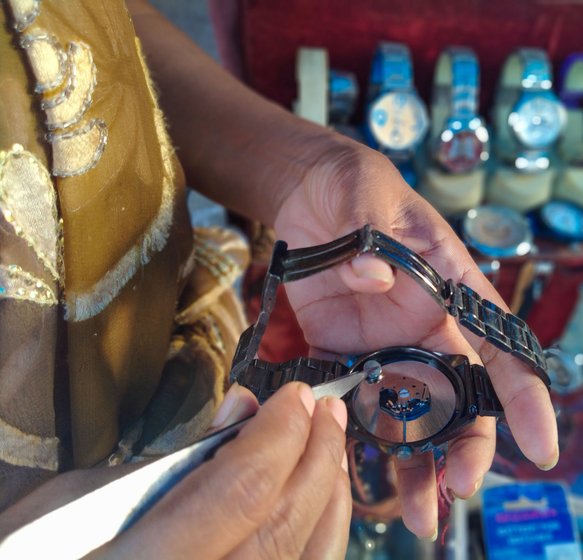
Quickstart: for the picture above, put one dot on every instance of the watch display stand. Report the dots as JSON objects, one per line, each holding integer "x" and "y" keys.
{"x": 312, "y": 80}
{"x": 569, "y": 180}
{"x": 507, "y": 186}
{"x": 520, "y": 191}
{"x": 453, "y": 193}
{"x": 569, "y": 185}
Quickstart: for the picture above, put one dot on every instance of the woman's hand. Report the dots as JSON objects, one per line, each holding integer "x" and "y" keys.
{"x": 363, "y": 306}
{"x": 280, "y": 490}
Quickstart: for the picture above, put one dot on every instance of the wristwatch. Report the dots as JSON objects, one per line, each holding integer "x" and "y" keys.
{"x": 460, "y": 138}
{"x": 560, "y": 220}
{"x": 497, "y": 231}
{"x": 534, "y": 115}
{"x": 396, "y": 121}
{"x": 412, "y": 399}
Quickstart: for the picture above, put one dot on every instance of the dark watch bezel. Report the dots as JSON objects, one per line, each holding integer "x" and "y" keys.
{"x": 473, "y": 392}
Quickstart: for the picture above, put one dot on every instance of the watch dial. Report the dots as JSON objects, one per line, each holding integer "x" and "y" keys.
{"x": 398, "y": 121}
{"x": 411, "y": 402}
{"x": 460, "y": 152}
{"x": 564, "y": 219}
{"x": 537, "y": 122}
{"x": 497, "y": 231}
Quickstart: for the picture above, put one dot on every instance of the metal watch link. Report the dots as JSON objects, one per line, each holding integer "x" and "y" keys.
{"x": 401, "y": 398}
{"x": 264, "y": 378}
{"x": 460, "y": 137}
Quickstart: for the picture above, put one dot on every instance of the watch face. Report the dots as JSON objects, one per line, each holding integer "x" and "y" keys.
{"x": 461, "y": 152}
{"x": 398, "y": 120}
{"x": 497, "y": 231}
{"x": 564, "y": 219}
{"x": 537, "y": 121}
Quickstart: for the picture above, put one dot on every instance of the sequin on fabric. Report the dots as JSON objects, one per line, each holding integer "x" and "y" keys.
{"x": 15, "y": 283}
{"x": 28, "y": 203}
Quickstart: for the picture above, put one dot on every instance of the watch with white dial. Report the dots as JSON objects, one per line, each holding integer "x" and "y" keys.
{"x": 535, "y": 117}
{"x": 396, "y": 121}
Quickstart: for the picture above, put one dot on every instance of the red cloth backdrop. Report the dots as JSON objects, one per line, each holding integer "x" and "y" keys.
{"x": 272, "y": 30}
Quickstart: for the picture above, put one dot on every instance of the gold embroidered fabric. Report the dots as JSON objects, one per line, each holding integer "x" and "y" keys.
{"x": 114, "y": 325}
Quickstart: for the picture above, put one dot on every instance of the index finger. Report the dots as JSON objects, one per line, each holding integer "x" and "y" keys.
{"x": 524, "y": 396}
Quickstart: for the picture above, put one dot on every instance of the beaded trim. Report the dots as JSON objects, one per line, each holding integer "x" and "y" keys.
{"x": 28, "y": 203}
{"x": 24, "y": 12}
{"x": 15, "y": 283}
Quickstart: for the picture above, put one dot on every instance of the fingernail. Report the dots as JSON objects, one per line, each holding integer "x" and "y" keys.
{"x": 228, "y": 408}
{"x": 432, "y": 538}
{"x": 478, "y": 484}
{"x": 373, "y": 269}
{"x": 344, "y": 463}
{"x": 338, "y": 410}
{"x": 550, "y": 465}
{"x": 307, "y": 398}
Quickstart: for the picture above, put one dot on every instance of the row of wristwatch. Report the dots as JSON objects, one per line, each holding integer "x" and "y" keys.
{"x": 528, "y": 118}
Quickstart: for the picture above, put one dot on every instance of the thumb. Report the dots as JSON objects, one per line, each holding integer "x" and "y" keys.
{"x": 239, "y": 403}
{"x": 367, "y": 274}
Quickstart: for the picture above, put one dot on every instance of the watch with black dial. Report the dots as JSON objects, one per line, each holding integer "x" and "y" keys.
{"x": 411, "y": 399}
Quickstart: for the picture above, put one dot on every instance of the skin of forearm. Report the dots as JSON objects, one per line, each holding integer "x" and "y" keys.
{"x": 235, "y": 146}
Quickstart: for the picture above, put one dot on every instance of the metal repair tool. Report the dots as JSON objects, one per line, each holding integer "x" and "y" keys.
{"x": 75, "y": 529}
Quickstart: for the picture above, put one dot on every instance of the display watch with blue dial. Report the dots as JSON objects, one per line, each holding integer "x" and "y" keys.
{"x": 397, "y": 119}
{"x": 561, "y": 220}
{"x": 536, "y": 116}
{"x": 460, "y": 135}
